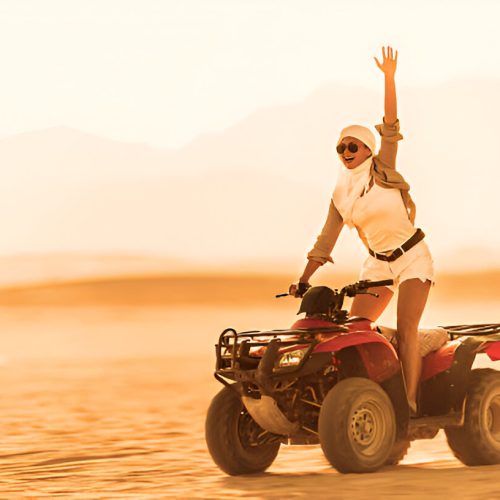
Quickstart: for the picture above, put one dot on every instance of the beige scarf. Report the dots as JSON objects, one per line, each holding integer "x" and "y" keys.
{"x": 392, "y": 179}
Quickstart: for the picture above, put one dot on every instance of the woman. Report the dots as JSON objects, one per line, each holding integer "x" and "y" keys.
{"x": 373, "y": 197}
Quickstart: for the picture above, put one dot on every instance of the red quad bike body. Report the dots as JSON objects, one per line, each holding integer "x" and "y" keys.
{"x": 337, "y": 381}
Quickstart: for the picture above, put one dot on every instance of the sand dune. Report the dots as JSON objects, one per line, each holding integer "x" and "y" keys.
{"x": 135, "y": 429}
{"x": 227, "y": 289}
{"x": 105, "y": 386}
{"x": 146, "y": 290}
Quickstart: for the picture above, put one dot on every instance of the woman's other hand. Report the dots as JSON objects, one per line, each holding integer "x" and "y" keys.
{"x": 389, "y": 61}
{"x": 298, "y": 289}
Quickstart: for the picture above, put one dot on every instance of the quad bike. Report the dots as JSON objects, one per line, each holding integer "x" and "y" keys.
{"x": 337, "y": 381}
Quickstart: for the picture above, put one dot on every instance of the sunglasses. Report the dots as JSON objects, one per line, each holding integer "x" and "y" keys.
{"x": 353, "y": 148}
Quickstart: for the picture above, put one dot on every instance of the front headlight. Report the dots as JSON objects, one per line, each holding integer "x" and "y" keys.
{"x": 292, "y": 358}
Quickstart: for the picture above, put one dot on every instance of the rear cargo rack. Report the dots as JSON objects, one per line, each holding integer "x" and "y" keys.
{"x": 473, "y": 330}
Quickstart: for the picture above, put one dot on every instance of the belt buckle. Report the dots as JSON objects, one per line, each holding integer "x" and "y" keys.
{"x": 396, "y": 253}
{"x": 383, "y": 256}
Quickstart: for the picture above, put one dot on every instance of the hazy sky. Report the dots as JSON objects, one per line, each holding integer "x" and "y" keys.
{"x": 164, "y": 71}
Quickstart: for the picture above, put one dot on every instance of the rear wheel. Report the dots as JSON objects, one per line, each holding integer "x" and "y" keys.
{"x": 238, "y": 445}
{"x": 477, "y": 442}
{"x": 357, "y": 426}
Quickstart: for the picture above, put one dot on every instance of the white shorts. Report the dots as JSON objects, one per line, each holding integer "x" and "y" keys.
{"x": 415, "y": 263}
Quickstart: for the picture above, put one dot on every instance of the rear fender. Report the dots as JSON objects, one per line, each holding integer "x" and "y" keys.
{"x": 492, "y": 349}
{"x": 439, "y": 361}
{"x": 444, "y": 358}
{"x": 445, "y": 376}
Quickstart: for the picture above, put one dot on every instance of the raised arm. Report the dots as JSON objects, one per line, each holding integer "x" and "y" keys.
{"x": 389, "y": 129}
{"x": 388, "y": 67}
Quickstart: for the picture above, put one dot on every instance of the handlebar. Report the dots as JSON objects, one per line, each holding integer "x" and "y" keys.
{"x": 351, "y": 290}
{"x": 335, "y": 298}
{"x": 372, "y": 284}
{"x": 361, "y": 286}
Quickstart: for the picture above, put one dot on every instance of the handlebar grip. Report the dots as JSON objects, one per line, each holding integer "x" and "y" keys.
{"x": 373, "y": 284}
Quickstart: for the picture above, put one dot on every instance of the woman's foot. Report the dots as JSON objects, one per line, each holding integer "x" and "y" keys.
{"x": 413, "y": 408}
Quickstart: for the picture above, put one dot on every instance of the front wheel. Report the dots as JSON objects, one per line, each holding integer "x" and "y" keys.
{"x": 398, "y": 452}
{"x": 357, "y": 426}
{"x": 238, "y": 445}
{"x": 477, "y": 441}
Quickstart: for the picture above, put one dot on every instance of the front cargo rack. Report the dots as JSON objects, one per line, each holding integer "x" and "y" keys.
{"x": 233, "y": 348}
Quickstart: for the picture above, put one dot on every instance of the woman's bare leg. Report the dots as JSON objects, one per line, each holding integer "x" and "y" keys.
{"x": 412, "y": 298}
{"x": 368, "y": 306}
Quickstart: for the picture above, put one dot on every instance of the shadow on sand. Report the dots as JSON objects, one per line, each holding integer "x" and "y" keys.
{"x": 402, "y": 481}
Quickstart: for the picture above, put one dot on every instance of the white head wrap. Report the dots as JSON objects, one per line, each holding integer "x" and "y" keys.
{"x": 352, "y": 182}
{"x": 364, "y": 134}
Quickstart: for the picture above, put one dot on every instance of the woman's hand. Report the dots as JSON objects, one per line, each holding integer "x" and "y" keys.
{"x": 298, "y": 289}
{"x": 389, "y": 61}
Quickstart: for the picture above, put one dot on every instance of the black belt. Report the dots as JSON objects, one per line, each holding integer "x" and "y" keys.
{"x": 416, "y": 238}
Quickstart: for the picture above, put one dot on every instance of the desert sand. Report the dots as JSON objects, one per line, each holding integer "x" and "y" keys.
{"x": 105, "y": 385}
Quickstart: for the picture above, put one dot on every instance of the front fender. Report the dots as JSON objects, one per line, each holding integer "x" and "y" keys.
{"x": 376, "y": 352}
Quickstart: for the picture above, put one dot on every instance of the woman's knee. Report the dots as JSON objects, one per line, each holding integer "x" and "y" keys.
{"x": 407, "y": 328}
{"x": 408, "y": 321}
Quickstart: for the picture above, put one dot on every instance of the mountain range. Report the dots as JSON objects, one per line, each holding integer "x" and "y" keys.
{"x": 259, "y": 190}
